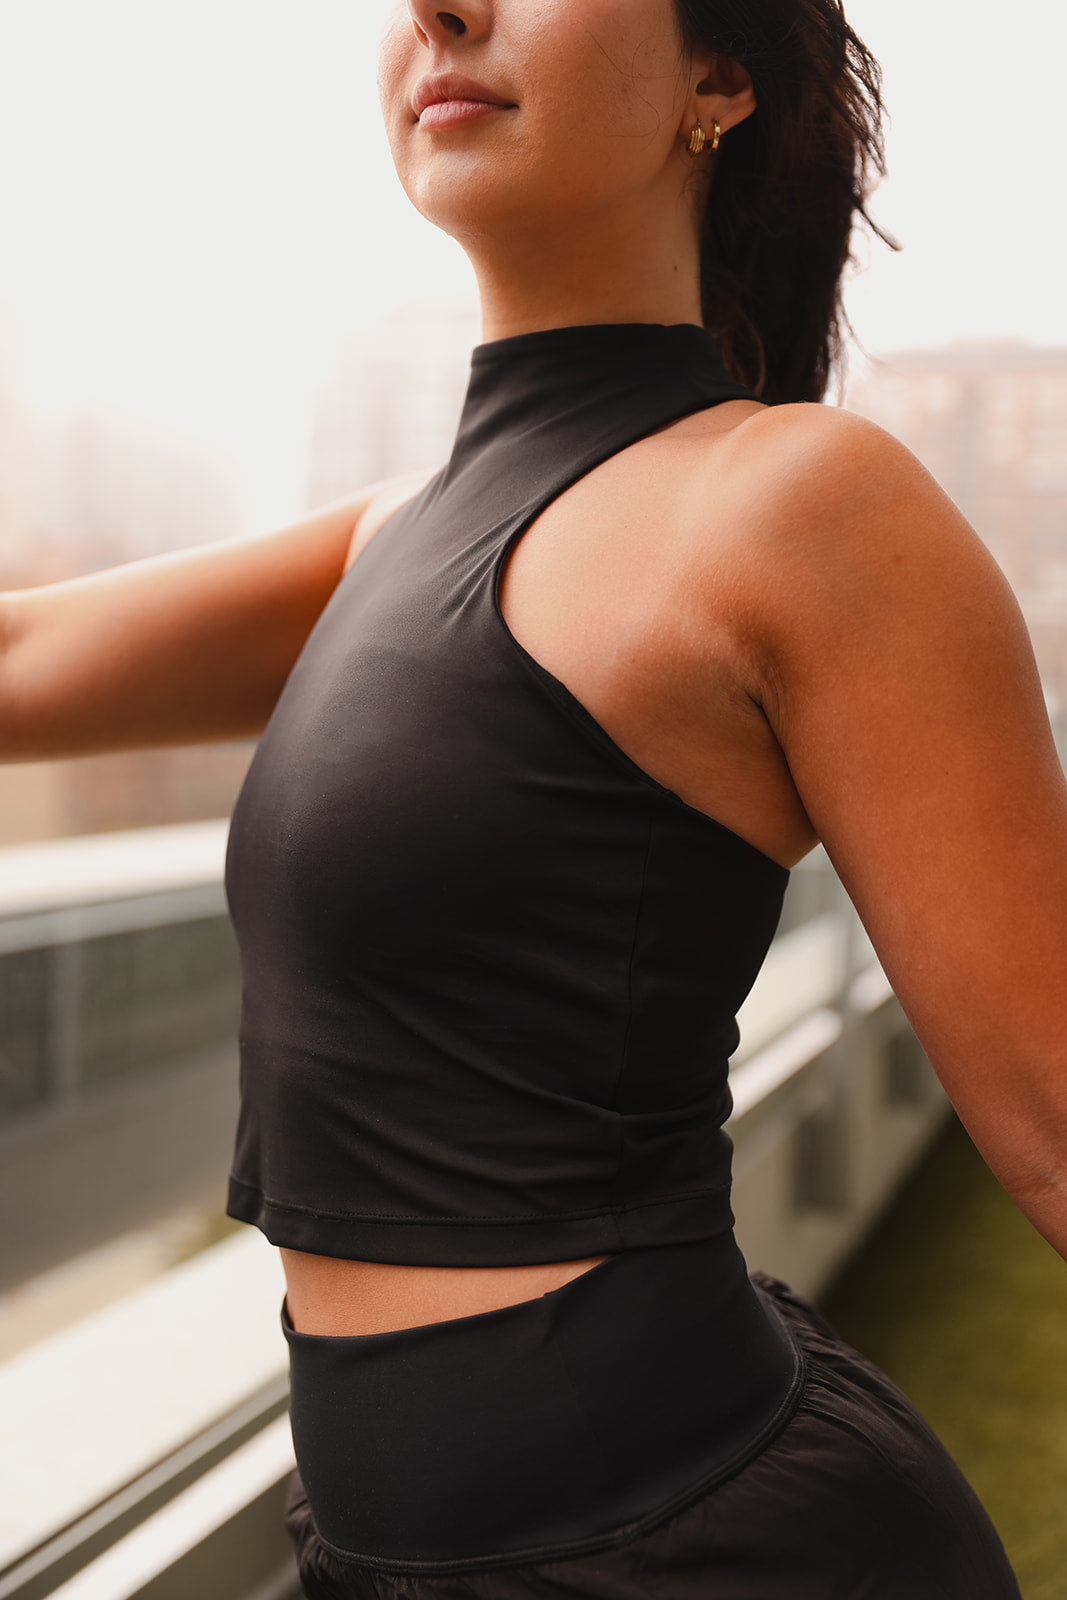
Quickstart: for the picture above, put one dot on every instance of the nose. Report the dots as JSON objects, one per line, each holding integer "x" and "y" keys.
{"x": 435, "y": 26}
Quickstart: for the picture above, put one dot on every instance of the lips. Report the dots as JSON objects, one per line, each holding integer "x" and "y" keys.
{"x": 443, "y": 86}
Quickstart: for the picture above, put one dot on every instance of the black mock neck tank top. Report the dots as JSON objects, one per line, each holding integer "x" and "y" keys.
{"x": 490, "y": 965}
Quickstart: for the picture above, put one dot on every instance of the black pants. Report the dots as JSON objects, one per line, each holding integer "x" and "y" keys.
{"x": 837, "y": 1490}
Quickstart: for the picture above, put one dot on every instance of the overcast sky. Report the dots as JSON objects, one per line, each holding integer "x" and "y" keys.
{"x": 196, "y": 200}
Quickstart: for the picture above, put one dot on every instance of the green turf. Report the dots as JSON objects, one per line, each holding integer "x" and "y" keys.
{"x": 964, "y": 1305}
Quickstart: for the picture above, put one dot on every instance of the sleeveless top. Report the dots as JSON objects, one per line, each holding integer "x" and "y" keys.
{"x": 490, "y": 965}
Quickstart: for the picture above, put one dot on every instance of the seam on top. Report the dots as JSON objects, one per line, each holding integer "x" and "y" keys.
{"x": 624, "y": 1049}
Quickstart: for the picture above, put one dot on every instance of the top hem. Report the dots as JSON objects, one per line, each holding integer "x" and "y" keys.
{"x": 488, "y": 1241}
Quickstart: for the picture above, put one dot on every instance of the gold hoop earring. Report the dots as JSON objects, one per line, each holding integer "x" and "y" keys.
{"x": 716, "y": 135}
{"x": 697, "y": 140}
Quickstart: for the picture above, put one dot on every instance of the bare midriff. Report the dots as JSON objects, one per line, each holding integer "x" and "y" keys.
{"x": 326, "y": 1294}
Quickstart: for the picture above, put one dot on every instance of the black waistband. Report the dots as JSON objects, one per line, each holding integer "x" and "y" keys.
{"x": 557, "y": 1426}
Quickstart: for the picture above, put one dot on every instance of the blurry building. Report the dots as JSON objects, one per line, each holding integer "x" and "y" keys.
{"x": 393, "y": 400}
{"x": 106, "y": 490}
{"x": 989, "y": 420}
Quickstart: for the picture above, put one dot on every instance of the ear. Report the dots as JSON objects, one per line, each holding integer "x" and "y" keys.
{"x": 722, "y": 92}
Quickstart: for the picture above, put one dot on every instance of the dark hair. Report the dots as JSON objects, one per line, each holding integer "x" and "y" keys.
{"x": 787, "y": 185}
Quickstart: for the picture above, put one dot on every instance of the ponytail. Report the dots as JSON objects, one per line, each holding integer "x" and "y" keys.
{"x": 787, "y": 185}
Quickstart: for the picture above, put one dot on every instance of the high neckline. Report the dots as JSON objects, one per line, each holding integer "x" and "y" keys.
{"x": 585, "y": 385}
{"x": 628, "y": 339}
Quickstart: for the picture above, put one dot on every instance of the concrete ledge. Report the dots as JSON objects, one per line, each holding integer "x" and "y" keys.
{"x": 162, "y": 1555}
{"x": 110, "y": 866}
{"x": 103, "y": 1401}
{"x": 758, "y": 1084}
{"x": 829, "y": 1119}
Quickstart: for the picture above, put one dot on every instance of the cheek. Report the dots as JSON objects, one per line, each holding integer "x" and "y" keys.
{"x": 650, "y": 87}
{"x": 394, "y": 53}
{"x": 609, "y": 72}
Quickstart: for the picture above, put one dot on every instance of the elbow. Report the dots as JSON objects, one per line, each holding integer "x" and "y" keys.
{"x": 1035, "y": 1176}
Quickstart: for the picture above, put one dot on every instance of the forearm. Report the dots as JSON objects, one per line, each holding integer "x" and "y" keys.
{"x": 83, "y": 672}
{"x": 178, "y": 649}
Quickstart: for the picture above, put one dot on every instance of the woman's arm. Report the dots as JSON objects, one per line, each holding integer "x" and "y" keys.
{"x": 177, "y": 649}
{"x": 899, "y": 678}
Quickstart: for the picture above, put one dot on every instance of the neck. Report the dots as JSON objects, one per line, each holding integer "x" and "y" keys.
{"x": 531, "y": 278}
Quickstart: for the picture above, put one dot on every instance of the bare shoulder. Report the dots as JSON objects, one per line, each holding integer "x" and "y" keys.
{"x": 821, "y": 477}
{"x": 838, "y": 530}
{"x": 379, "y": 501}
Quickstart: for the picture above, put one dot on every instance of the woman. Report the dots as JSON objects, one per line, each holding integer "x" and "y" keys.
{"x": 546, "y": 732}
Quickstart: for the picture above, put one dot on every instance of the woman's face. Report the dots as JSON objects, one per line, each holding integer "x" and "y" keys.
{"x": 594, "y": 95}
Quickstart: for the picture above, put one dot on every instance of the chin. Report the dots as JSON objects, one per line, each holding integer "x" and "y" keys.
{"x": 470, "y": 198}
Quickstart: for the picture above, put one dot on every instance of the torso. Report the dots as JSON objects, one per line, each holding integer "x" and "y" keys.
{"x": 633, "y": 588}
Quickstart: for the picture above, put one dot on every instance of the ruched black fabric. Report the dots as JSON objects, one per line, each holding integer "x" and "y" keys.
{"x": 491, "y": 966}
